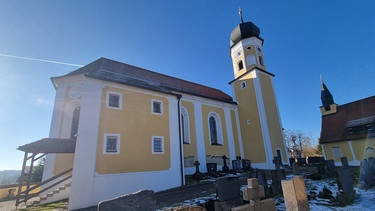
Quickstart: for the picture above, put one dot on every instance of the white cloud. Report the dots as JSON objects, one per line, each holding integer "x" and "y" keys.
{"x": 40, "y": 101}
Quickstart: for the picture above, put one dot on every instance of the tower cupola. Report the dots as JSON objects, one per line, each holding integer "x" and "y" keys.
{"x": 246, "y": 48}
{"x": 328, "y": 104}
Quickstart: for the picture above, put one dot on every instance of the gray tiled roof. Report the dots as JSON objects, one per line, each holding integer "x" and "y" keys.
{"x": 109, "y": 70}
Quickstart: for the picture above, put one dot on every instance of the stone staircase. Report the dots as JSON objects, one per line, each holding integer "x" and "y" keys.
{"x": 39, "y": 200}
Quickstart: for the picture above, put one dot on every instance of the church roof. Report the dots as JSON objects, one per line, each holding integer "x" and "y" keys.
{"x": 326, "y": 96}
{"x": 243, "y": 31}
{"x": 50, "y": 145}
{"x": 350, "y": 122}
{"x": 110, "y": 70}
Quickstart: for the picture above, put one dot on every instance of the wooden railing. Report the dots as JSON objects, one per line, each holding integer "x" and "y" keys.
{"x": 25, "y": 195}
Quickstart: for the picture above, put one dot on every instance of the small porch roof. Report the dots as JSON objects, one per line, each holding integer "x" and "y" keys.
{"x": 50, "y": 145}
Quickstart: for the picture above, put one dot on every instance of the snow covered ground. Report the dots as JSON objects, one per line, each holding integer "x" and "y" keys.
{"x": 365, "y": 199}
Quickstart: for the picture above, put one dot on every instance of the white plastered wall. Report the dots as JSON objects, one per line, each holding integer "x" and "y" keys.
{"x": 88, "y": 187}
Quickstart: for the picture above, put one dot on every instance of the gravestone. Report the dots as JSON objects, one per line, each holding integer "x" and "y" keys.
{"x": 369, "y": 175}
{"x": 296, "y": 168}
{"x": 330, "y": 167}
{"x": 277, "y": 162}
{"x": 262, "y": 180}
{"x": 227, "y": 193}
{"x": 346, "y": 194}
{"x": 236, "y": 165}
{"x": 321, "y": 168}
{"x": 295, "y": 195}
{"x": 344, "y": 161}
{"x": 197, "y": 175}
{"x": 211, "y": 167}
{"x": 141, "y": 200}
{"x": 225, "y": 167}
{"x": 227, "y": 188}
{"x": 246, "y": 164}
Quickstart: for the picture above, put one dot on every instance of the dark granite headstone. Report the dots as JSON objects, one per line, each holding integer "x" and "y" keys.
{"x": 315, "y": 160}
{"x": 246, "y": 164}
{"x": 321, "y": 169}
{"x": 345, "y": 180}
{"x": 262, "y": 180}
{"x": 346, "y": 187}
{"x": 141, "y": 200}
{"x": 228, "y": 188}
{"x": 344, "y": 161}
{"x": 197, "y": 175}
{"x": 225, "y": 166}
{"x": 330, "y": 167}
{"x": 236, "y": 165}
{"x": 369, "y": 172}
{"x": 295, "y": 168}
{"x": 211, "y": 167}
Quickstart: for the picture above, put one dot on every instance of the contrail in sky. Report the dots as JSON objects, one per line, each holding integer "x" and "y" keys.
{"x": 41, "y": 60}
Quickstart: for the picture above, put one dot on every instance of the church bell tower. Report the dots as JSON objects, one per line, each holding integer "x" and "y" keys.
{"x": 260, "y": 125}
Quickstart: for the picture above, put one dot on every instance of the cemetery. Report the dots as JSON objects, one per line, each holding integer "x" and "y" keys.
{"x": 239, "y": 187}
{"x": 243, "y": 188}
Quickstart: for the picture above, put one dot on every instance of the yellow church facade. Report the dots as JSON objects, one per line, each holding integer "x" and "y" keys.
{"x": 135, "y": 129}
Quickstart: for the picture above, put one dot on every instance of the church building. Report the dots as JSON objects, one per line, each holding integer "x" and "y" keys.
{"x": 117, "y": 128}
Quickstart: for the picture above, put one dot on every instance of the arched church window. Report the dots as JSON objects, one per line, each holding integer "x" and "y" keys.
{"x": 250, "y": 60}
{"x": 240, "y": 65}
{"x": 185, "y": 126}
{"x": 261, "y": 61}
{"x": 215, "y": 133}
{"x": 75, "y": 122}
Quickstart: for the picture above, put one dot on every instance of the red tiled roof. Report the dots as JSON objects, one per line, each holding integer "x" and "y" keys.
{"x": 334, "y": 125}
{"x": 109, "y": 70}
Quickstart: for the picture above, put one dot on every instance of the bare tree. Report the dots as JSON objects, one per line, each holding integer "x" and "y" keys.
{"x": 299, "y": 144}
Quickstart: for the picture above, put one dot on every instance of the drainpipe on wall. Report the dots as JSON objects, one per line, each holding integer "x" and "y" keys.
{"x": 180, "y": 139}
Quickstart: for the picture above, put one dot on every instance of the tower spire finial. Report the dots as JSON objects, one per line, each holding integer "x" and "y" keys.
{"x": 240, "y": 13}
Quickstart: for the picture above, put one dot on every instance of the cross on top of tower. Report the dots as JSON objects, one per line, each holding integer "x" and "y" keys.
{"x": 240, "y": 13}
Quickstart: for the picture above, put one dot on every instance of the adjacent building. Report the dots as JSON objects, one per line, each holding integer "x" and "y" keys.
{"x": 348, "y": 130}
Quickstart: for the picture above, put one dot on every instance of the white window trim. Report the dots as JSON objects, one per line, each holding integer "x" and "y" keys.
{"x": 162, "y": 145}
{"x": 219, "y": 130}
{"x": 161, "y": 107}
{"x": 107, "y": 100}
{"x": 186, "y": 129}
{"x": 243, "y": 85}
{"x": 336, "y": 151}
{"x": 106, "y": 135}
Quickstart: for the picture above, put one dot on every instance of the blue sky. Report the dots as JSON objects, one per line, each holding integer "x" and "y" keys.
{"x": 185, "y": 39}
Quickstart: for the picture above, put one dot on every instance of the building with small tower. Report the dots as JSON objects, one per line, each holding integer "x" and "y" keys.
{"x": 347, "y": 130}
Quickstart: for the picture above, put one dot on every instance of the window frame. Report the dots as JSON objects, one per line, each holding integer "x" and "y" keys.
{"x": 240, "y": 65}
{"x": 185, "y": 126}
{"x": 219, "y": 131}
{"x": 105, "y": 140}
{"x": 243, "y": 85}
{"x": 161, "y": 145}
{"x": 108, "y": 96}
{"x": 161, "y": 107}
{"x": 261, "y": 62}
{"x": 335, "y": 151}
